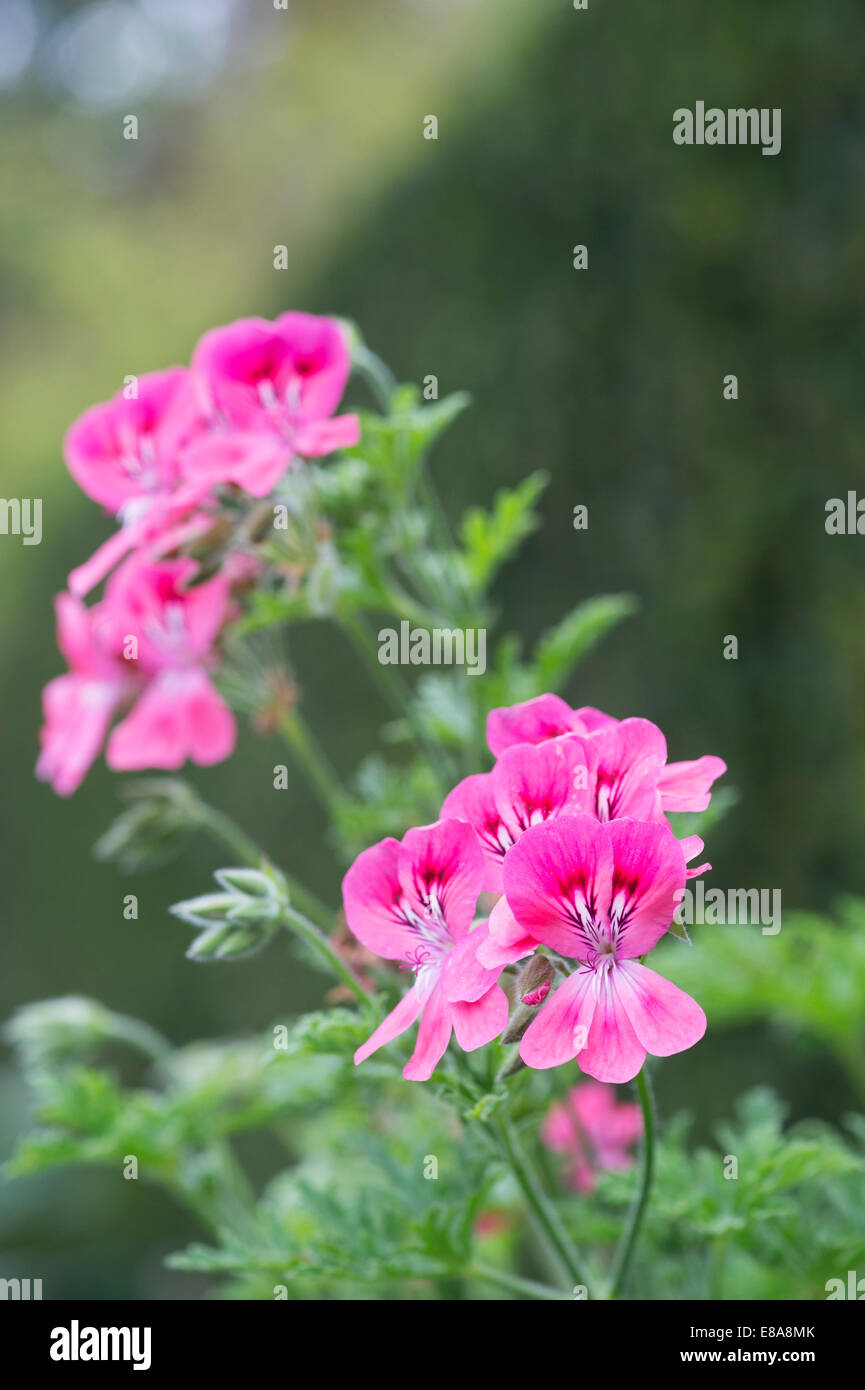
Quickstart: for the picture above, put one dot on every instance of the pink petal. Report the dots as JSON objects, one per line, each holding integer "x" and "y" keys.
{"x": 464, "y": 978}
{"x": 115, "y": 452}
{"x": 648, "y": 879}
{"x": 686, "y": 786}
{"x": 692, "y": 845}
{"x": 443, "y": 863}
{"x": 206, "y": 608}
{"x": 372, "y": 894}
{"x": 433, "y": 1037}
{"x": 180, "y": 715}
{"x": 506, "y": 941}
{"x": 320, "y": 360}
{"x": 534, "y": 783}
{"x": 230, "y": 364}
{"x": 326, "y": 436}
{"x": 629, "y": 759}
{"x": 613, "y": 1051}
{"x": 557, "y": 1129}
{"x": 593, "y": 1103}
{"x": 253, "y": 373}
{"x": 77, "y": 712}
{"x": 699, "y": 869}
{"x": 397, "y": 1021}
{"x": 559, "y": 1032}
{"x": 587, "y": 719}
{"x": 624, "y": 1125}
{"x": 472, "y": 800}
{"x": 77, "y": 637}
{"x": 476, "y": 1024}
{"x": 553, "y": 876}
{"x": 532, "y": 721}
{"x": 664, "y": 1018}
{"x": 85, "y": 577}
{"x": 253, "y": 460}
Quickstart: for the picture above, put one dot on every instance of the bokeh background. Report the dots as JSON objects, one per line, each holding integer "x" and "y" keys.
{"x": 303, "y": 126}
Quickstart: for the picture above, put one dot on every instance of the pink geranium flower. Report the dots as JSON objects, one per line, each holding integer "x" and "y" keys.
{"x": 258, "y": 393}
{"x": 533, "y": 721}
{"x": 613, "y": 771}
{"x": 414, "y": 901}
{"x": 593, "y": 1130}
{"x": 125, "y": 453}
{"x": 528, "y": 784}
{"x": 282, "y": 379}
{"x": 684, "y": 786}
{"x": 601, "y": 894}
{"x": 148, "y": 643}
{"x": 174, "y": 628}
{"x": 78, "y": 707}
{"x": 507, "y": 941}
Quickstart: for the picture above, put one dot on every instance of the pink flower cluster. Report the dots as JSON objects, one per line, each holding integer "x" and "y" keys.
{"x": 569, "y": 829}
{"x": 162, "y": 456}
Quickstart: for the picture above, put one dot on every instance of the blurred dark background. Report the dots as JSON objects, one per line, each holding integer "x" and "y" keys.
{"x": 304, "y": 127}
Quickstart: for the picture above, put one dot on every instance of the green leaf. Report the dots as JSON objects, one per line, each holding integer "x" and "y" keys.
{"x": 560, "y": 649}
{"x": 490, "y": 538}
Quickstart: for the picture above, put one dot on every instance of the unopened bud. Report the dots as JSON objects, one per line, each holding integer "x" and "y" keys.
{"x": 161, "y": 812}
{"x": 228, "y": 942}
{"x": 533, "y": 984}
{"x": 238, "y": 921}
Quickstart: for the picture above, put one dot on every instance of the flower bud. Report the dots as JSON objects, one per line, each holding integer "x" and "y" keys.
{"x": 228, "y": 941}
{"x": 238, "y": 921}
{"x": 162, "y": 811}
{"x": 533, "y": 983}
{"x": 252, "y": 883}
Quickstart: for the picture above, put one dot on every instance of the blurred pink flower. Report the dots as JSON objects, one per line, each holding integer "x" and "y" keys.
{"x": 126, "y": 450}
{"x": 593, "y": 1130}
{"x": 174, "y": 627}
{"x": 149, "y": 642}
{"x": 125, "y": 453}
{"x": 78, "y": 707}
{"x": 258, "y": 393}
{"x": 286, "y": 377}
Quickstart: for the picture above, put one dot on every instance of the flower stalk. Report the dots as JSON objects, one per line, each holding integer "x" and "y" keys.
{"x": 631, "y": 1234}
{"x": 545, "y": 1217}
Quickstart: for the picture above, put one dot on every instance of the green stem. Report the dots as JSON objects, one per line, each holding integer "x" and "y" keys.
{"x": 376, "y": 374}
{"x": 320, "y": 944}
{"x": 220, "y": 1194}
{"x": 527, "y": 1288}
{"x": 638, "y": 1211}
{"x": 397, "y": 695}
{"x": 312, "y": 760}
{"x": 555, "y": 1237}
{"x": 457, "y": 596}
{"x": 224, "y": 831}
